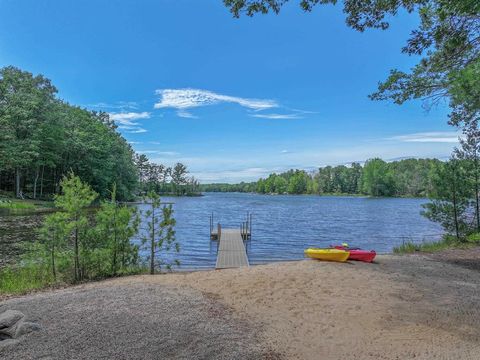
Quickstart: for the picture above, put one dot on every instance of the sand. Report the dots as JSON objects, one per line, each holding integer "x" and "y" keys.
{"x": 402, "y": 307}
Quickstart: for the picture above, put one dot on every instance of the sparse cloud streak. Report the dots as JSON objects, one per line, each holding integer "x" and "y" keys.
{"x": 120, "y": 105}
{"x": 184, "y": 99}
{"x": 127, "y": 118}
{"x": 428, "y": 137}
{"x": 186, "y": 114}
{"x": 126, "y": 121}
{"x": 132, "y": 129}
{"x": 276, "y": 116}
{"x": 158, "y": 152}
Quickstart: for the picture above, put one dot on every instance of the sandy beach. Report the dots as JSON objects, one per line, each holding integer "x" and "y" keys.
{"x": 402, "y": 307}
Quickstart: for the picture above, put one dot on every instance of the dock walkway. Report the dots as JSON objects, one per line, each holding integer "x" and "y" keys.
{"x": 231, "y": 250}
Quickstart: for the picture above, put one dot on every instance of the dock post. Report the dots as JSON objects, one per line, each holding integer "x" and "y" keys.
{"x": 211, "y": 224}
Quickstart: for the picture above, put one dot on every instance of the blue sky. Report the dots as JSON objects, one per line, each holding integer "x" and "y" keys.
{"x": 234, "y": 99}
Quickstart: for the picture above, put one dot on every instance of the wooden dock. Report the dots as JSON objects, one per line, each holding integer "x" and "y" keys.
{"x": 231, "y": 249}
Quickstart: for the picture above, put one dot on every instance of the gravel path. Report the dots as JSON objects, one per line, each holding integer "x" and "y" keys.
{"x": 138, "y": 321}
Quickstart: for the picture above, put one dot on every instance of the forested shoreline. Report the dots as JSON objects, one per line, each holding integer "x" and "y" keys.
{"x": 403, "y": 178}
{"x": 43, "y": 138}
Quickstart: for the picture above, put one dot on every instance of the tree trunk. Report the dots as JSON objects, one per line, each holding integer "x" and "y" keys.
{"x": 477, "y": 200}
{"x": 41, "y": 181}
{"x": 17, "y": 183}
{"x": 53, "y": 264}
{"x": 35, "y": 180}
{"x": 77, "y": 262}
{"x": 152, "y": 246}
{"x": 114, "y": 262}
{"x": 454, "y": 201}
{"x": 54, "y": 179}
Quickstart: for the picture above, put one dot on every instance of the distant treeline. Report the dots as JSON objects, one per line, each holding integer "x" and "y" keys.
{"x": 43, "y": 138}
{"x": 165, "y": 180}
{"x": 409, "y": 177}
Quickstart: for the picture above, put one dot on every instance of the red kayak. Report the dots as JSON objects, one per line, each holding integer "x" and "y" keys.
{"x": 359, "y": 254}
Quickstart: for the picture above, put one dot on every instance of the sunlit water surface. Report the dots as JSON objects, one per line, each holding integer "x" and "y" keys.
{"x": 284, "y": 225}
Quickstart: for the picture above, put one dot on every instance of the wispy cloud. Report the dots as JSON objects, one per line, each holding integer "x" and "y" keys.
{"x": 120, "y": 105}
{"x": 186, "y": 114}
{"x": 132, "y": 129}
{"x": 428, "y": 137}
{"x": 184, "y": 99}
{"x": 127, "y": 118}
{"x": 158, "y": 152}
{"x": 127, "y": 121}
{"x": 277, "y": 116}
{"x": 284, "y": 152}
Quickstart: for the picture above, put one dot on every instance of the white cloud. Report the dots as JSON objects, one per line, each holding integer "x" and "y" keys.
{"x": 168, "y": 153}
{"x": 147, "y": 151}
{"x": 127, "y": 118}
{"x": 127, "y": 121}
{"x": 429, "y": 137}
{"x": 182, "y": 99}
{"x": 158, "y": 152}
{"x": 186, "y": 114}
{"x": 132, "y": 129}
{"x": 277, "y": 116}
{"x": 117, "y": 105}
{"x": 284, "y": 152}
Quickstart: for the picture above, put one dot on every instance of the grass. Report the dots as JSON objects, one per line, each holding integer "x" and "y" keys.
{"x": 20, "y": 280}
{"x": 447, "y": 242}
{"x": 16, "y": 205}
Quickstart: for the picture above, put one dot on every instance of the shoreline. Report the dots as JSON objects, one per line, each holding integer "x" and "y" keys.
{"x": 190, "y": 270}
{"x": 321, "y": 195}
{"x": 444, "y": 255}
{"x": 403, "y": 306}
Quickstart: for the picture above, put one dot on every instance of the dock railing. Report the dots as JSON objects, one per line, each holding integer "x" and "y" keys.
{"x": 245, "y": 228}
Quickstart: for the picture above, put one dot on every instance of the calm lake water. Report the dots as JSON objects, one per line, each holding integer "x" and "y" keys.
{"x": 284, "y": 225}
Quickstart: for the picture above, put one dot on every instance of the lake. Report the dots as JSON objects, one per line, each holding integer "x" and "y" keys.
{"x": 284, "y": 225}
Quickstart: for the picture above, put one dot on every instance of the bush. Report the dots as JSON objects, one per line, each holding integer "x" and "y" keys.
{"x": 473, "y": 238}
{"x": 448, "y": 241}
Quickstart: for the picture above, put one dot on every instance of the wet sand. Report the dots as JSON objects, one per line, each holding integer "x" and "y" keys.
{"x": 402, "y": 307}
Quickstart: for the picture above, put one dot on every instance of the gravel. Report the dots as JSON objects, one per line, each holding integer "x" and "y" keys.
{"x": 137, "y": 321}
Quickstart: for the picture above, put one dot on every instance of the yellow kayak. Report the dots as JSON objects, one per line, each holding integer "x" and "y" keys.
{"x": 327, "y": 254}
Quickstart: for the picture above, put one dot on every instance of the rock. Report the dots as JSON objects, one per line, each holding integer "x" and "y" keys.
{"x": 10, "y": 318}
{"x": 13, "y": 325}
{"x": 8, "y": 342}
{"x": 25, "y": 327}
{"x": 9, "y": 333}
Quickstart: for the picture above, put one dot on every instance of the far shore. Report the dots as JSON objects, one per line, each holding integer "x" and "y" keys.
{"x": 321, "y": 195}
{"x": 403, "y": 306}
